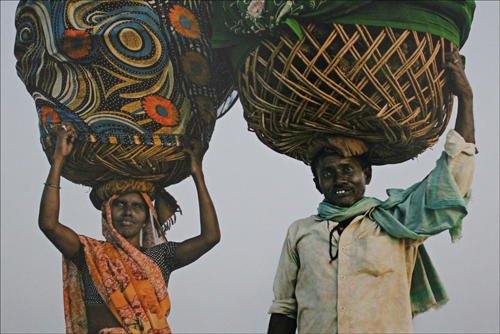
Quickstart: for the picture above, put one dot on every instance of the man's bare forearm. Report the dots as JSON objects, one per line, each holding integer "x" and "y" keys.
{"x": 281, "y": 324}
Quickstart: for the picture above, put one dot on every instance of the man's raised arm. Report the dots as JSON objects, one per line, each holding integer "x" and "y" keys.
{"x": 459, "y": 86}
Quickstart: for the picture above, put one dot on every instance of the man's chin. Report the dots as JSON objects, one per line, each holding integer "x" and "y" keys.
{"x": 343, "y": 202}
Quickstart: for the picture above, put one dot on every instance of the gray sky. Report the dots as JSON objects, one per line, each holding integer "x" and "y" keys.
{"x": 258, "y": 194}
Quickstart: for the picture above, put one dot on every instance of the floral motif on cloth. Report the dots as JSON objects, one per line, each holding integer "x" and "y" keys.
{"x": 129, "y": 282}
{"x": 261, "y": 17}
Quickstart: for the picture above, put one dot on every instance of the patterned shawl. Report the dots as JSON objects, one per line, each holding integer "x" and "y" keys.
{"x": 130, "y": 283}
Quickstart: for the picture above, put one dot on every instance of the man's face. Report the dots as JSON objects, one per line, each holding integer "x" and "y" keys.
{"x": 341, "y": 180}
{"x": 129, "y": 214}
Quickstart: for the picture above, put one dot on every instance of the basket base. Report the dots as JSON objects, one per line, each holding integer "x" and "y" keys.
{"x": 91, "y": 164}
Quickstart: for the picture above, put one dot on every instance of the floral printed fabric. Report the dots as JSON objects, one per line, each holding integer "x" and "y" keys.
{"x": 260, "y": 16}
{"x": 123, "y": 72}
{"x": 128, "y": 281}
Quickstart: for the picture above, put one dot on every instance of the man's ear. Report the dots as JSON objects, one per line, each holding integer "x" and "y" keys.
{"x": 368, "y": 174}
{"x": 316, "y": 183}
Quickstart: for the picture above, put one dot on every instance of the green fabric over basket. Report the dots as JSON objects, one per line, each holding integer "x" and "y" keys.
{"x": 242, "y": 25}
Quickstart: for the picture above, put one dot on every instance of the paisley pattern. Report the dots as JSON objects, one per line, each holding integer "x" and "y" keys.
{"x": 123, "y": 72}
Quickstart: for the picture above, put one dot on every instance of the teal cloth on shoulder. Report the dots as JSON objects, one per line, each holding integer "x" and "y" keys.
{"x": 425, "y": 209}
{"x": 240, "y": 25}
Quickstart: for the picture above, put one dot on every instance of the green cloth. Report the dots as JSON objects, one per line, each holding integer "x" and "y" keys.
{"x": 240, "y": 25}
{"x": 425, "y": 209}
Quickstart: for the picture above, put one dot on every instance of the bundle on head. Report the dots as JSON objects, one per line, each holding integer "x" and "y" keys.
{"x": 137, "y": 79}
{"x": 382, "y": 85}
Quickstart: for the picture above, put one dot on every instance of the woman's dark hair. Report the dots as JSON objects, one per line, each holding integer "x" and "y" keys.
{"x": 364, "y": 159}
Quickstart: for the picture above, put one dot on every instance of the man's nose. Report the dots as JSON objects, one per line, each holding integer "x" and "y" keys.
{"x": 340, "y": 178}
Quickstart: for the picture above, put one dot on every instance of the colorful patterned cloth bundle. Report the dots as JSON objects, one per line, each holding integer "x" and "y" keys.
{"x": 138, "y": 73}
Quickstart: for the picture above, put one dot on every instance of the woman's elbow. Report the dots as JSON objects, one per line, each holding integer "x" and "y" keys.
{"x": 213, "y": 240}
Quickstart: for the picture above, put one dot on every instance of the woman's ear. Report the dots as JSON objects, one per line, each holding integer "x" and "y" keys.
{"x": 103, "y": 209}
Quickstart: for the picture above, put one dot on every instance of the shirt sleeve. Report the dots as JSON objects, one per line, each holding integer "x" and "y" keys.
{"x": 286, "y": 279}
{"x": 461, "y": 160}
{"x": 437, "y": 203}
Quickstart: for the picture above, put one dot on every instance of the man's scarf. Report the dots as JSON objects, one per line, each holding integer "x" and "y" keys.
{"x": 129, "y": 282}
{"x": 425, "y": 209}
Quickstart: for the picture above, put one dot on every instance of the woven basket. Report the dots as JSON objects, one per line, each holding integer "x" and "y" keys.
{"x": 378, "y": 84}
{"x": 91, "y": 164}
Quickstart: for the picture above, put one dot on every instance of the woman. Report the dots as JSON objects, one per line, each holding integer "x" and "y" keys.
{"x": 124, "y": 279}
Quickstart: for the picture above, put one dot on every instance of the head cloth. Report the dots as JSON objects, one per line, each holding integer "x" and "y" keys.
{"x": 163, "y": 211}
{"x": 343, "y": 146}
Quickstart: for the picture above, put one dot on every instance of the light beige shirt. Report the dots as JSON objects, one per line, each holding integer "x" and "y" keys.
{"x": 367, "y": 289}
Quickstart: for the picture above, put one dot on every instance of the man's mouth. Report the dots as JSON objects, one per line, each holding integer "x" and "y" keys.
{"x": 341, "y": 192}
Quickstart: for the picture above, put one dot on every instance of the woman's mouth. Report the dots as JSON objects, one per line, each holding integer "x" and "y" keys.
{"x": 126, "y": 223}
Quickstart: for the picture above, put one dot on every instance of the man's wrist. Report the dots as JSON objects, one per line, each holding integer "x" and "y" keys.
{"x": 466, "y": 97}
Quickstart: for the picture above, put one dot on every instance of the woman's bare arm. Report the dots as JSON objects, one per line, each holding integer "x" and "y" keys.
{"x": 64, "y": 238}
{"x": 192, "y": 249}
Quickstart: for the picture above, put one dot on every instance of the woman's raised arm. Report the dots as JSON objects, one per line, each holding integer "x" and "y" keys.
{"x": 64, "y": 238}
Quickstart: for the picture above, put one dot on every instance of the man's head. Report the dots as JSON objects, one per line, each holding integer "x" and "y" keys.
{"x": 340, "y": 179}
{"x": 129, "y": 213}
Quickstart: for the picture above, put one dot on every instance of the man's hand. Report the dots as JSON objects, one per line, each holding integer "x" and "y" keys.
{"x": 66, "y": 135}
{"x": 197, "y": 153}
{"x": 457, "y": 80}
{"x": 459, "y": 86}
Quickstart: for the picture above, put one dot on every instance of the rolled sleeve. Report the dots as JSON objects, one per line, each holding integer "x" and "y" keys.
{"x": 461, "y": 160}
{"x": 285, "y": 280}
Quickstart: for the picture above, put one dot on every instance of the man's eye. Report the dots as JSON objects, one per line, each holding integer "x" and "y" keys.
{"x": 327, "y": 174}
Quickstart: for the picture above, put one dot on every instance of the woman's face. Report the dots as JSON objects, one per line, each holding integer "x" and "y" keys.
{"x": 129, "y": 214}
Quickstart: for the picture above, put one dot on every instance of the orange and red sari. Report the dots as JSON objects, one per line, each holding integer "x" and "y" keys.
{"x": 129, "y": 282}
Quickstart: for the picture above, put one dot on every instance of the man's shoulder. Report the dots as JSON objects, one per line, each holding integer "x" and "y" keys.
{"x": 304, "y": 223}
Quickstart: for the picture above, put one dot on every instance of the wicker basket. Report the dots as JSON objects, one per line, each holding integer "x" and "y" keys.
{"x": 91, "y": 164}
{"x": 378, "y": 84}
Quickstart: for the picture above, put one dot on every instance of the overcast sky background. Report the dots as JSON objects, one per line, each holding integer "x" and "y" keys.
{"x": 258, "y": 194}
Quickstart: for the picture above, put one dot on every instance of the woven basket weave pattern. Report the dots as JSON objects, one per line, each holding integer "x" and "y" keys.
{"x": 91, "y": 164}
{"x": 382, "y": 85}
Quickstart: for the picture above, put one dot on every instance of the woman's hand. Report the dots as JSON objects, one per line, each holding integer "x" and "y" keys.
{"x": 66, "y": 135}
{"x": 197, "y": 152}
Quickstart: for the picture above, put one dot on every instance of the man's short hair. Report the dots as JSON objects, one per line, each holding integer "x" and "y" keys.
{"x": 364, "y": 159}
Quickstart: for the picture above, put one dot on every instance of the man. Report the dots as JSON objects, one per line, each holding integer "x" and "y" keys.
{"x": 359, "y": 265}
{"x": 124, "y": 279}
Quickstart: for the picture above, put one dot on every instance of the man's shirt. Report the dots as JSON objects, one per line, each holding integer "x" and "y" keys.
{"x": 367, "y": 288}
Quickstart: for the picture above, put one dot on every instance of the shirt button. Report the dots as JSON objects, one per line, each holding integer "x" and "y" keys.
{"x": 342, "y": 277}
{"x": 343, "y": 248}
{"x": 342, "y": 308}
